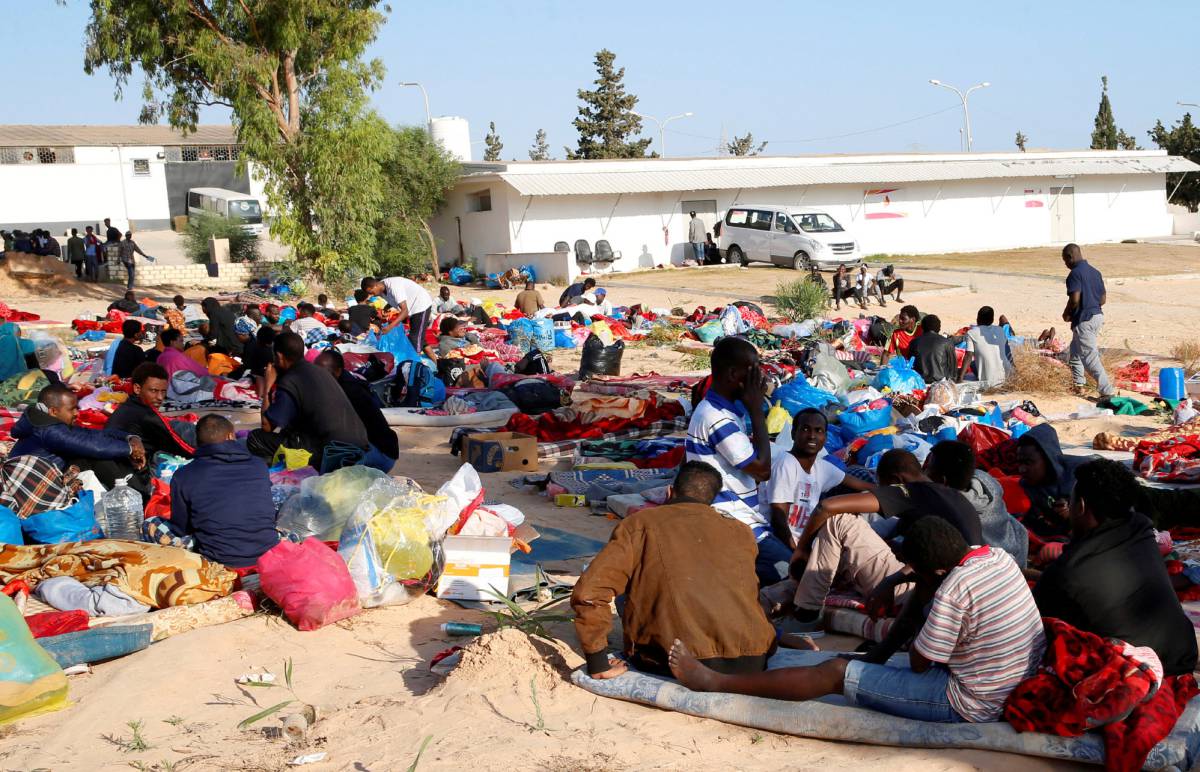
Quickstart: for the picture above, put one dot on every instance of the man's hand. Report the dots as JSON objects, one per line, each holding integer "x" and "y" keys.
{"x": 1061, "y": 509}
{"x": 754, "y": 390}
{"x": 137, "y": 453}
{"x": 881, "y": 600}
{"x": 1066, "y": 317}
{"x": 616, "y": 667}
{"x": 269, "y": 377}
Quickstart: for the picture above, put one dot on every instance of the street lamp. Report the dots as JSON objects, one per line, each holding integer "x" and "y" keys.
{"x": 1187, "y": 104}
{"x": 428, "y": 117}
{"x": 662, "y": 125}
{"x": 963, "y": 96}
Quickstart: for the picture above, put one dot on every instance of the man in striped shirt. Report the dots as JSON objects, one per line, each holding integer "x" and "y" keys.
{"x": 983, "y": 636}
{"x": 716, "y": 436}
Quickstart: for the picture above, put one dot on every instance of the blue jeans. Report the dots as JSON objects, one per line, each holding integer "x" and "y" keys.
{"x": 377, "y": 459}
{"x": 698, "y": 251}
{"x": 129, "y": 272}
{"x": 771, "y": 564}
{"x": 899, "y": 691}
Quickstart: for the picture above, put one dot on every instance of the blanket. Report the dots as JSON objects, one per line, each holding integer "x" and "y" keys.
{"x": 1173, "y": 460}
{"x": 151, "y": 574}
{"x": 569, "y": 424}
{"x": 1114, "y": 441}
{"x": 566, "y": 448}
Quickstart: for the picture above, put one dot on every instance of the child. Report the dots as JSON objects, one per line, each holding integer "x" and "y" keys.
{"x": 454, "y": 336}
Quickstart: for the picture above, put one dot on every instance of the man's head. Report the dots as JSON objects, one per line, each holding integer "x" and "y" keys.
{"x": 360, "y": 296}
{"x": 588, "y": 283}
{"x": 453, "y": 327}
{"x": 601, "y": 293}
{"x": 60, "y": 402}
{"x": 289, "y": 350}
{"x": 272, "y": 313}
{"x": 732, "y": 361}
{"x": 150, "y": 384}
{"x": 88, "y": 230}
{"x": 131, "y": 329}
{"x": 809, "y": 428}
{"x": 331, "y": 360}
{"x": 1072, "y": 255}
{"x": 265, "y": 335}
{"x": 322, "y": 300}
{"x": 1032, "y": 464}
{"x": 1104, "y": 490}
{"x": 889, "y": 270}
{"x": 178, "y": 301}
{"x": 908, "y": 318}
{"x": 931, "y": 323}
{"x": 696, "y": 482}
{"x": 130, "y": 296}
{"x": 693, "y": 214}
{"x": 444, "y": 292}
{"x": 951, "y": 463}
{"x": 345, "y": 327}
{"x": 129, "y": 235}
{"x": 213, "y": 429}
{"x": 372, "y": 285}
{"x": 986, "y": 316}
{"x": 899, "y": 466}
{"x": 932, "y": 547}
{"x": 107, "y": 222}
{"x": 74, "y": 232}
{"x": 171, "y": 338}
{"x": 305, "y": 310}
{"x": 255, "y": 313}
{"x": 531, "y": 285}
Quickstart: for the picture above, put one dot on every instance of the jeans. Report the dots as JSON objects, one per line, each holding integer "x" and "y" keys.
{"x": 377, "y": 459}
{"x": 899, "y": 691}
{"x": 772, "y": 561}
{"x": 1085, "y": 354}
{"x": 698, "y": 251}
{"x": 91, "y": 269}
{"x": 129, "y": 275}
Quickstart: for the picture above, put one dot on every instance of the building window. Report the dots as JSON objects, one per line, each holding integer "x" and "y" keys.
{"x": 141, "y": 167}
{"x": 190, "y": 153}
{"x": 37, "y": 155}
{"x": 479, "y": 202}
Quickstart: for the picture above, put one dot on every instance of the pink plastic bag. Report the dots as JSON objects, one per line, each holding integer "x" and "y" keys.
{"x": 310, "y": 582}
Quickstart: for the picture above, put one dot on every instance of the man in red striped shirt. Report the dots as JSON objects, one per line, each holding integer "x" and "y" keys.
{"x": 983, "y": 636}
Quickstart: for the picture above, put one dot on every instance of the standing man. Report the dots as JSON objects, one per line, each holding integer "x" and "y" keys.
{"x": 128, "y": 248}
{"x": 91, "y": 255}
{"x": 76, "y": 252}
{"x": 696, "y": 238}
{"x": 410, "y": 298}
{"x": 111, "y": 234}
{"x": 1085, "y": 311}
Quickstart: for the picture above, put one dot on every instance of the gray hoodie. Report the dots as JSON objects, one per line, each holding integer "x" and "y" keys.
{"x": 1000, "y": 529}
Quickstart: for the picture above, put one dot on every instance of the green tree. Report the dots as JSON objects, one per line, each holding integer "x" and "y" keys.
{"x": 292, "y": 73}
{"x": 419, "y": 173}
{"x": 541, "y": 148}
{"x": 1182, "y": 139}
{"x": 606, "y": 122}
{"x": 1106, "y": 135}
{"x": 744, "y": 146}
{"x": 492, "y": 143}
{"x": 1020, "y": 141}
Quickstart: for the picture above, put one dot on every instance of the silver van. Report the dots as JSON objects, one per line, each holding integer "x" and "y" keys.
{"x": 788, "y": 236}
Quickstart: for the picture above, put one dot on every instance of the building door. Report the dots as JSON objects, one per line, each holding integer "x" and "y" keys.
{"x": 706, "y": 211}
{"x": 1062, "y": 214}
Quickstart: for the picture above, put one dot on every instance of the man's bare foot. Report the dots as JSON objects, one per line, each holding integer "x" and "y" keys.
{"x": 798, "y": 641}
{"x": 690, "y": 672}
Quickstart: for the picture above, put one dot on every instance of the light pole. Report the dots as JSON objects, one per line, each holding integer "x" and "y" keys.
{"x": 428, "y": 117}
{"x": 1187, "y": 104}
{"x": 662, "y": 125}
{"x": 963, "y": 96}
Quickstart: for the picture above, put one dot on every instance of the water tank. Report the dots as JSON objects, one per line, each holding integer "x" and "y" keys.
{"x": 454, "y": 134}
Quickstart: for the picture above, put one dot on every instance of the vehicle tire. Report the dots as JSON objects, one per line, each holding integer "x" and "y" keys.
{"x": 736, "y": 255}
{"x": 800, "y": 262}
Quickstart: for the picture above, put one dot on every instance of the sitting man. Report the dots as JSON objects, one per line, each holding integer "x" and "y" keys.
{"x": 686, "y": 572}
{"x": 138, "y": 416}
{"x": 983, "y": 637}
{"x": 1047, "y": 477}
{"x": 453, "y": 335}
{"x": 887, "y": 282}
{"x": 906, "y": 329}
{"x": 128, "y": 304}
{"x": 952, "y": 463}
{"x": 362, "y": 314}
{"x": 172, "y": 359}
{"x": 529, "y": 300}
{"x": 48, "y": 430}
{"x": 305, "y": 322}
{"x": 304, "y": 408}
{"x": 933, "y": 353}
{"x": 222, "y": 499}
{"x": 324, "y": 309}
{"x": 567, "y": 298}
{"x": 446, "y": 304}
{"x": 988, "y": 350}
{"x": 128, "y": 354}
{"x": 1110, "y": 580}
{"x": 385, "y": 447}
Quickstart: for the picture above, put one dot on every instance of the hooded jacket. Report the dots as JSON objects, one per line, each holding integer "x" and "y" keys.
{"x": 137, "y": 418}
{"x": 40, "y": 434}
{"x": 223, "y": 499}
{"x": 220, "y": 326}
{"x": 1060, "y": 483}
{"x": 1000, "y": 529}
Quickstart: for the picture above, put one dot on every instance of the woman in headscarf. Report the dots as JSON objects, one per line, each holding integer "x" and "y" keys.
{"x": 12, "y": 357}
{"x": 221, "y": 323}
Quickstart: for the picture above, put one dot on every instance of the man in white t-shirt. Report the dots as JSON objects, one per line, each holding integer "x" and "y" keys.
{"x": 987, "y": 348}
{"x": 410, "y": 298}
{"x": 305, "y": 322}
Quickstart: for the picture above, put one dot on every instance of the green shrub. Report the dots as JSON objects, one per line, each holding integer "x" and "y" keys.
{"x": 243, "y": 247}
{"x": 801, "y": 299}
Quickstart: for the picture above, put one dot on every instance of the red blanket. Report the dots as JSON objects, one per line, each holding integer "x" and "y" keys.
{"x": 551, "y": 427}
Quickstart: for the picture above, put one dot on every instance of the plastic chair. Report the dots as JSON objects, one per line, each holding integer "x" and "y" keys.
{"x": 583, "y": 255}
{"x": 562, "y": 246}
{"x": 605, "y": 257}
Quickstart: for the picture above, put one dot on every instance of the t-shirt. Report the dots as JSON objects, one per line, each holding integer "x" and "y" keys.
{"x": 528, "y": 302}
{"x": 800, "y": 490}
{"x": 985, "y": 628}
{"x": 573, "y": 290}
{"x": 361, "y": 315}
{"x": 399, "y": 290}
{"x": 302, "y": 326}
{"x": 934, "y": 357}
{"x": 911, "y": 501}
{"x": 902, "y": 340}
{"x": 715, "y": 436}
{"x": 1088, "y": 282}
{"x": 989, "y": 344}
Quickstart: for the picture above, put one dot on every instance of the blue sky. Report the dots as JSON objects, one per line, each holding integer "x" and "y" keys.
{"x": 787, "y": 70}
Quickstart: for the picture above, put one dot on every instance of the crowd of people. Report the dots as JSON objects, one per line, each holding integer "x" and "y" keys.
{"x": 85, "y": 252}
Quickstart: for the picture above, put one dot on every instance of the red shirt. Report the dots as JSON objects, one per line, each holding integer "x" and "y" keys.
{"x": 901, "y": 340}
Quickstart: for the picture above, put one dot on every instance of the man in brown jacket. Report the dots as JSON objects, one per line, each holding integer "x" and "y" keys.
{"x": 687, "y": 572}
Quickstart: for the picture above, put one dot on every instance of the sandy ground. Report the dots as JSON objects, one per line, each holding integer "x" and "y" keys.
{"x": 1126, "y": 260}
{"x": 373, "y": 669}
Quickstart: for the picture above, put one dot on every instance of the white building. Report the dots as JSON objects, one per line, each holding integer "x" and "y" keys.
{"x": 59, "y": 177}
{"x": 506, "y": 214}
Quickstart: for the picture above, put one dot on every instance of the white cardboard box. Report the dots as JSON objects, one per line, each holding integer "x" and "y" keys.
{"x": 474, "y": 565}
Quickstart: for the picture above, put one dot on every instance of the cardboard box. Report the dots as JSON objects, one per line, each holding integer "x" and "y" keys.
{"x": 501, "y": 452}
{"x": 474, "y": 565}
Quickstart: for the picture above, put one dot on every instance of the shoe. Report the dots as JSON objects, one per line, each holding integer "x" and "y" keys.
{"x": 790, "y": 624}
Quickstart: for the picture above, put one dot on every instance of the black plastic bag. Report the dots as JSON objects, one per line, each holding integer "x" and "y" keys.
{"x": 534, "y": 396}
{"x": 599, "y": 359}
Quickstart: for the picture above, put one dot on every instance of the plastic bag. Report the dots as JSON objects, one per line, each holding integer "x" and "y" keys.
{"x": 798, "y": 395}
{"x": 325, "y": 503}
{"x": 461, "y": 494}
{"x": 376, "y": 586}
{"x": 601, "y": 330}
{"x": 865, "y": 421}
{"x": 710, "y": 331}
{"x": 460, "y": 276}
{"x": 899, "y": 376}
{"x": 522, "y": 333}
{"x": 10, "y": 527}
{"x": 829, "y": 374}
{"x": 31, "y": 682}
{"x": 75, "y": 523}
{"x": 563, "y": 337}
{"x": 291, "y": 458}
{"x": 732, "y": 322}
{"x": 599, "y": 359}
{"x": 805, "y": 329}
{"x": 543, "y": 336}
{"x": 397, "y": 344}
{"x": 310, "y": 582}
{"x": 943, "y": 393}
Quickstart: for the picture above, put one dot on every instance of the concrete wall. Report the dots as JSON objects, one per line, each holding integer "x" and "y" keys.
{"x": 232, "y": 275}
{"x": 1185, "y": 223}
{"x": 483, "y": 233}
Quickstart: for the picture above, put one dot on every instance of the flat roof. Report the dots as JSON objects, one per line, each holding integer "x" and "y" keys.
{"x": 84, "y": 135}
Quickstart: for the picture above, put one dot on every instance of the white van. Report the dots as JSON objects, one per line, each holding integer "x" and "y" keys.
{"x": 239, "y": 207}
{"x": 788, "y": 236}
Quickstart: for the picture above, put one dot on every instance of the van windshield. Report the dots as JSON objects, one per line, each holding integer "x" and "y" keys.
{"x": 245, "y": 210}
{"x": 816, "y": 223}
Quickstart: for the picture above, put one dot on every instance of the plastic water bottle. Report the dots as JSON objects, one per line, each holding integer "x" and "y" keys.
{"x": 121, "y": 515}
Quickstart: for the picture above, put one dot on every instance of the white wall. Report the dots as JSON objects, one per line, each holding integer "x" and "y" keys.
{"x": 99, "y": 184}
{"x": 483, "y": 233}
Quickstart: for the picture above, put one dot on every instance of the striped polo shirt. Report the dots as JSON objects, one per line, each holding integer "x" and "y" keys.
{"x": 716, "y": 437}
{"x": 985, "y": 628}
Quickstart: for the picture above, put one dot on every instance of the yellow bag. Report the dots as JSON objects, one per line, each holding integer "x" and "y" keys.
{"x": 31, "y": 682}
{"x": 602, "y": 331}
{"x": 292, "y": 458}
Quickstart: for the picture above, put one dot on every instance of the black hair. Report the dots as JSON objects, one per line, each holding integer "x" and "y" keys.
{"x": 131, "y": 328}
{"x": 589, "y": 282}
{"x": 345, "y": 326}
{"x": 55, "y": 395}
{"x": 1072, "y": 252}
{"x": 332, "y": 354}
{"x": 178, "y": 299}
{"x": 147, "y": 370}
{"x": 1109, "y": 488}
{"x": 322, "y": 298}
{"x": 169, "y": 336}
{"x": 730, "y": 352}
{"x": 896, "y": 462}
{"x": 809, "y": 411}
{"x": 290, "y": 346}
{"x": 307, "y": 308}
{"x": 954, "y": 463}
{"x": 265, "y": 335}
{"x": 213, "y": 428}
{"x": 931, "y": 324}
{"x": 932, "y": 544}
{"x": 74, "y": 231}
{"x": 448, "y": 323}
{"x": 368, "y": 282}
{"x": 129, "y": 295}
{"x": 698, "y": 481}
{"x": 911, "y": 312}
{"x": 986, "y": 316}
{"x": 360, "y": 296}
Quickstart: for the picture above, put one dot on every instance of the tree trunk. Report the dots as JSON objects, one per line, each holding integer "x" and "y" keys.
{"x": 437, "y": 269}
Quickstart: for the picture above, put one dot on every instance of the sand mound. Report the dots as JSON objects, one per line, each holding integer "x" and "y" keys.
{"x": 20, "y": 271}
{"x": 508, "y": 659}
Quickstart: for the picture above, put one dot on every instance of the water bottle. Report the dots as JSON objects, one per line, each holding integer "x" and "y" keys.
{"x": 121, "y": 515}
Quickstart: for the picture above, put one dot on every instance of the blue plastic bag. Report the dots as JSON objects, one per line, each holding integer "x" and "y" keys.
{"x": 398, "y": 345}
{"x": 493, "y": 281}
{"x": 899, "y": 376}
{"x": 10, "y": 527}
{"x": 287, "y": 315}
{"x": 460, "y": 276}
{"x": 563, "y": 339}
{"x": 866, "y": 421}
{"x": 523, "y": 333}
{"x": 528, "y": 272}
{"x": 75, "y": 523}
{"x": 798, "y": 394}
{"x": 543, "y": 336}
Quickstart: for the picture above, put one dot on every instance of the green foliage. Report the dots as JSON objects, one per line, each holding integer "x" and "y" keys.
{"x": 1020, "y": 141}
{"x": 532, "y": 623}
{"x": 744, "y": 146}
{"x": 540, "y": 151}
{"x": 272, "y": 710}
{"x": 1182, "y": 139}
{"x": 801, "y": 299}
{"x": 243, "y": 247}
{"x": 417, "y": 759}
{"x": 606, "y": 121}
{"x": 418, "y": 174}
{"x": 1106, "y": 135}
{"x": 492, "y": 144}
{"x": 697, "y": 361}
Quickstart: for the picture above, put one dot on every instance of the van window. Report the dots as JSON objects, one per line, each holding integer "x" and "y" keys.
{"x": 193, "y": 200}
{"x": 737, "y": 218}
{"x": 784, "y": 223}
{"x": 818, "y": 223}
{"x": 761, "y": 220}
